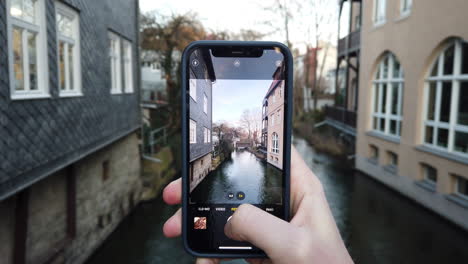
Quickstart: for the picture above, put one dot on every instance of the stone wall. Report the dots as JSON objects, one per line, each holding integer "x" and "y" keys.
{"x": 201, "y": 168}
{"x": 102, "y": 204}
{"x": 7, "y": 227}
{"x": 107, "y": 186}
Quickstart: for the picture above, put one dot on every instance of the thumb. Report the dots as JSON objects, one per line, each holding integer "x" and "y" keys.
{"x": 266, "y": 231}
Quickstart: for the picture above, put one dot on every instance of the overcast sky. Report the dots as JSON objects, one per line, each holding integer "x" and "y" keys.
{"x": 232, "y": 97}
{"x": 242, "y": 14}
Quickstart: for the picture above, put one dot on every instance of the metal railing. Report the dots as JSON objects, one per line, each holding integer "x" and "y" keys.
{"x": 354, "y": 45}
{"x": 341, "y": 115}
{"x": 156, "y": 136}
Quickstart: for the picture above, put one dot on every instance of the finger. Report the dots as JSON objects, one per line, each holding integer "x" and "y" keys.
{"x": 303, "y": 180}
{"x": 208, "y": 261}
{"x": 172, "y": 194}
{"x": 266, "y": 231}
{"x": 173, "y": 226}
{"x": 258, "y": 261}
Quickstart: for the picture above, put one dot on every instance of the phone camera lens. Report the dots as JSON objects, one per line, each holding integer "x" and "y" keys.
{"x": 195, "y": 63}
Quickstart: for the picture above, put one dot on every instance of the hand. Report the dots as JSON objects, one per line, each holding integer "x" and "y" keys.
{"x": 311, "y": 237}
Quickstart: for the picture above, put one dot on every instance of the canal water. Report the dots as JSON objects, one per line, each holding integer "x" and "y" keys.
{"x": 377, "y": 224}
{"x": 243, "y": 172}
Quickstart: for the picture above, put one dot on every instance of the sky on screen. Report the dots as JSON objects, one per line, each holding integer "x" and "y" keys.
{"x": 232, "y": 97}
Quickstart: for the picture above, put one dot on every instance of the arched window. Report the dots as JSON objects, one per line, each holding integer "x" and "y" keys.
{"x": 388, "y": 96}
{"x": 275, "y": 143}
{"x": 446, "y": 100}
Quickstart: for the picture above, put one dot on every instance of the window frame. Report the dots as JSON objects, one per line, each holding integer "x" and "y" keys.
{"x": 275, "y": 143}
{"x": 115, "y": 61}
{"x": 192, "y": 127}
{"x": 456, "y": 79}
{"x": 378, "y": 84}
{"x": 75, "y": 18}
{"x": 205, "y": 103}
{"x": 405, "y": 7}
{"x": 374, "y": 152}
{"x": 205, "y": 135}
{"x": 392, "y": 158}
{"x": 377, "y": 20}
{"x": 42, "y": 65}
{"x": 425, "y": 168}
{"x": 193, "y": 89}
{"x": 456, "y": 192}
{"x": 127, "y": 64}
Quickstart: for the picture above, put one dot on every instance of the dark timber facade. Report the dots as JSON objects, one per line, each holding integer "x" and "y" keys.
{"x": 200, "y": 124}
{"x": 69, "y": 165}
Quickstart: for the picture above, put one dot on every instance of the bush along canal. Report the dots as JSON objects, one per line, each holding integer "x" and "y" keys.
{"x": 377, "y": 224}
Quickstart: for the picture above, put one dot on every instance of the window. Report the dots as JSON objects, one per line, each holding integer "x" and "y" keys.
{"x": 446, "y": 100}
{"x": 278, "y": 115}
{"x": 27, "y": 49}
{"x": 461, "y": 186}
{"x": 357, "y": 21}
{"x": 127, "y": 71}
{"x": 273, "y": 119}
{"x": 205, "y": 104}
{"x": 388, "y": 93}
{"x": 105, "y": 170}
{"x": 193, "y": 132}
{"x": 193, "y": 89}
{"x": 429, "y": 173}
{"x": 206, "y": 135}
{"x": 405, "y": 7}
{"x": 115, "y": 60}
{"x": 68, "y": 41}
{"x": 373, "y": 152}
{"x": 275, "y": 143}
{"x": 274, "y": 96}
{"x": 392, "y": 158}
{"x": 380, "y": 7}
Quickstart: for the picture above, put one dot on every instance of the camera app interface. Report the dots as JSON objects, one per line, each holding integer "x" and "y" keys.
{"x": 236, "y": 141}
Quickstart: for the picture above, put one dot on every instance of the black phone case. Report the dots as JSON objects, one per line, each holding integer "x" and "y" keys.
{"x": 185, "y": 143}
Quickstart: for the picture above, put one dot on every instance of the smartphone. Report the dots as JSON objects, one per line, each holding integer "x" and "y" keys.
{"x": 236, "y": 139}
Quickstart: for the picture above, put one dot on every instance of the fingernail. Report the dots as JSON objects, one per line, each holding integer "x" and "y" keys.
{"x": 227, "y": 228}
{"x": 203, "y": 261}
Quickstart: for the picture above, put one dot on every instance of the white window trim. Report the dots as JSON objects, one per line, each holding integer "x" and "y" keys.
{"x": 193, "y": 89}
{"x": 407, "y": 12}
{"x": 127, "y": 63}
{"x": 41, "y": 49}
{"x": 275, "y": 143}
{"x": 75, "y": 18}
{"x": 389, "y": 81}
{"x": 456, "y": 78}
{"x": 205, "y": 135}
{"x": 193, "y": 124}
{"x": 205, "y": 104}
{"x": 116, "y": 60}
{"x": 378, "y": 21}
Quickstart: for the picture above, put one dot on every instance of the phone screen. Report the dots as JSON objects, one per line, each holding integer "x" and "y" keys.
{"x": 236, "y": 130}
